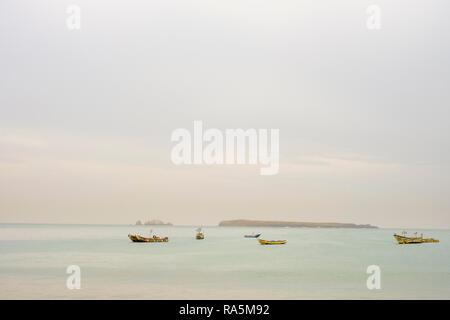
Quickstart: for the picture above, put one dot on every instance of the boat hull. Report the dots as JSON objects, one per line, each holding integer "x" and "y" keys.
{"x": 252, "y": 235}
{"x": 272, "y": 242}
{"x": 138, "y": 238}
{"x": 413, "y": 240}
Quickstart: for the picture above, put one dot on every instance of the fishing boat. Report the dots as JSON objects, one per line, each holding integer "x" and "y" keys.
{"x": 404, "y": 239}
{"x": 138, "y": 238}
{"x": 272, "y": 242}
{"x": 253, "y": 235}
{"x": 200, "y": 235}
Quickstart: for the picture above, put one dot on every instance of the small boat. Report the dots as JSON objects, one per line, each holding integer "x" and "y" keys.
{"x": 252, "y": 235}
{"x": 403, "y": 239}
{"x": 272, "y": 242}
{"x": 200, "y": 235}
{"x": 138, "y": 238}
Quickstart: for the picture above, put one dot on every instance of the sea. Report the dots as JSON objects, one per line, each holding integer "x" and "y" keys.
{"x": 36, "y": 262}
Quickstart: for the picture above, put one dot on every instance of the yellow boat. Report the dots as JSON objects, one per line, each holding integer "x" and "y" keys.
{"x": 403, "y": 239}
{"x": 271, "y": 242}
{"x": 138, "y": 238}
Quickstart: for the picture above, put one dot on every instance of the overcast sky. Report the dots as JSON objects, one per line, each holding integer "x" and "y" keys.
{"x": 86, "y": 115}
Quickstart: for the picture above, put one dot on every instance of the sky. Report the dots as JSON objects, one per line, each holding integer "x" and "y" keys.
{"x": 86, "y": 115}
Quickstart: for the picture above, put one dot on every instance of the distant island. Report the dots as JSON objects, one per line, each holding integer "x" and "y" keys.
{"x": 261, "y": 223}
{"x": 153, "y": 223}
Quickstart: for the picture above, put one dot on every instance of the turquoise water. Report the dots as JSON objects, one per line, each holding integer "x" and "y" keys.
{"x": 316, "y": 263}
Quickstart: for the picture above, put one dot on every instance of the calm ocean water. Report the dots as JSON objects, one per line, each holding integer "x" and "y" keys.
{"x": 316, "y": 263}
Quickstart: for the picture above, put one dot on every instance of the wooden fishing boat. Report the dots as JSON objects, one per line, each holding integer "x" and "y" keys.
{"x": 403, "y": 239}
{"x": 272, "y": 242}
{"x": 252, "y": 235}
{"x": 199, "y": 236}
{"x": 138, "y": 238}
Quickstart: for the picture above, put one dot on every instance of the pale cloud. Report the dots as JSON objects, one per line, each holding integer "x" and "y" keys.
{"x": 22, "y": 141}
{"x": 343, "y": 165}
